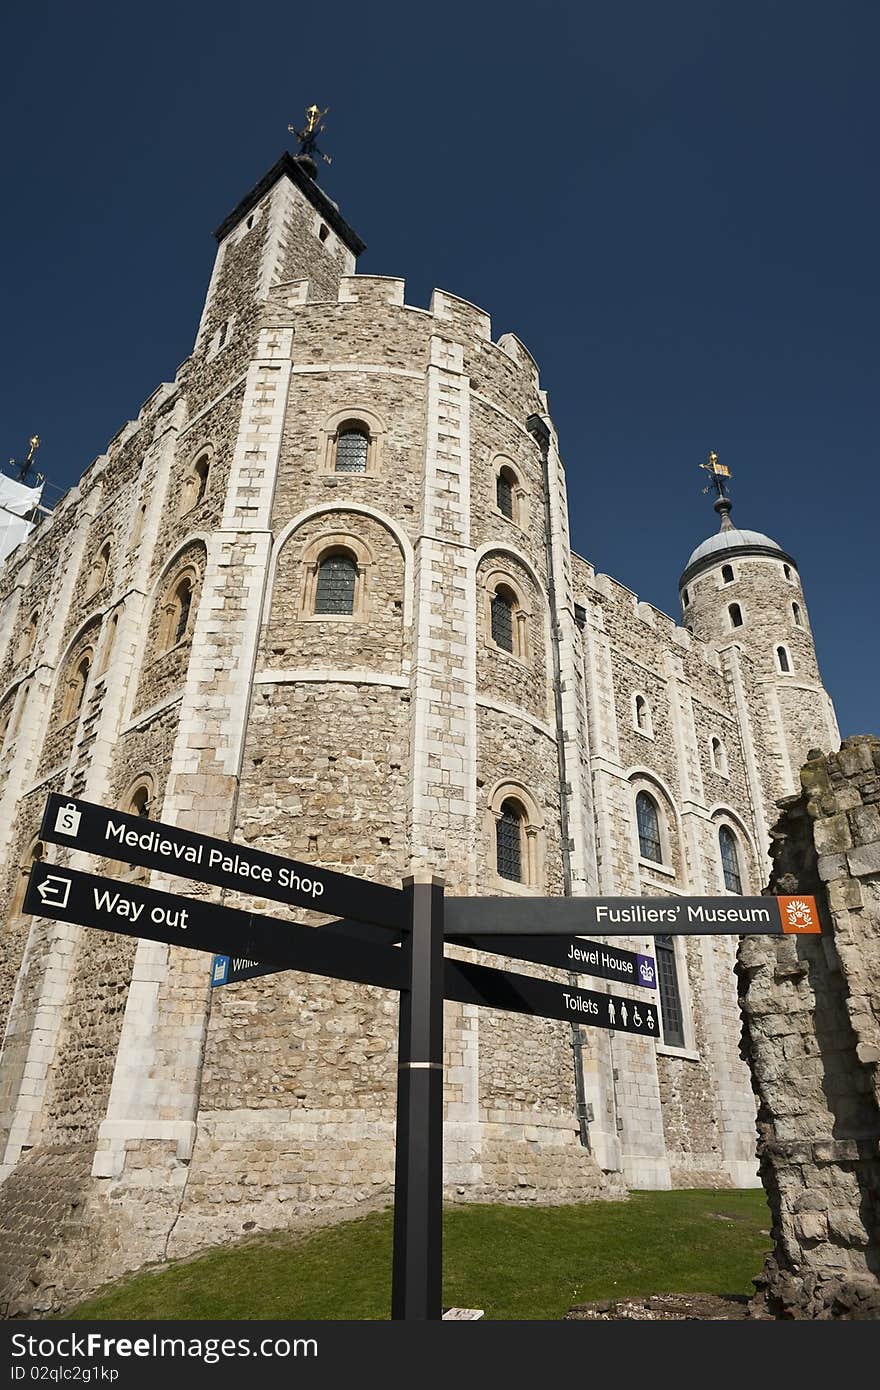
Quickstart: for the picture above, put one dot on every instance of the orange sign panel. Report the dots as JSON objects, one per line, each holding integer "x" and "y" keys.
{"x": 799, "y": 916}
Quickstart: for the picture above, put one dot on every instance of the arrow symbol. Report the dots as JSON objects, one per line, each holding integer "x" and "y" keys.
{"x": 54, "y": 896}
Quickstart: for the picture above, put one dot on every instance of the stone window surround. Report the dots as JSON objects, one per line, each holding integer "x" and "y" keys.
{"x": 648, "y": 730}
{"x": 6, "y": 717}
{"x": 490, "y": 582}
{"x": 354, "y": 415}
{"x": 28, "y": 637}
{"x": 323, "y": 546}
{"x": 498, "y": 464}
{"x": 220, "y": 338}
{"x": 746, "y": 856}
{"x": 726, "y": 583}
{"x": 189, "y": 492}
{"x": 144, "y": 781}
{"x": 169, "y": 608}
{"x": 107, "y": 641}
{"x": 718, "y": 764}
{"x": 98, "y": 570}
{"x": 71, "y": 688}
{"x": 645, "y": 781}
{"x": 137, "y": 525}
{"x": 35, "y": 850}
{"x": 734, "y": 627}
{"x": 778, "y": 647}
{"x": 534, "y": 845}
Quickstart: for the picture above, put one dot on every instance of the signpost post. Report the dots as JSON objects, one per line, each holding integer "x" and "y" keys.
{"x": 363, "y": 946}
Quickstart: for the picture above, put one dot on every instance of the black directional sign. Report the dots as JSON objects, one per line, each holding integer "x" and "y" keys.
{"x": 132, "y": 910}
{"x": 501, "y": 989}
{"x": 733, "y": 916}
{"x": 264, "y": 944}
{"x": 572, "y": 953}
{"x": 99, "y": 830}
{"x": 576, "y": 955}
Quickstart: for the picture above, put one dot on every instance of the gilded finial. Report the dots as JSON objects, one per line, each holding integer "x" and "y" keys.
{"x": 717, "y": 474}
{"x": 25, "y": 467}
{"x": 308, "y": 136}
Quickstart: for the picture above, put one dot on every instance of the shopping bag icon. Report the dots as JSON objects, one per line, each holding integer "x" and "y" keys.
{"x": 68, "y": 819}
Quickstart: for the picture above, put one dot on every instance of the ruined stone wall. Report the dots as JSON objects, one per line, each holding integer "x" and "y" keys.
{"x": 811, "y": 1035}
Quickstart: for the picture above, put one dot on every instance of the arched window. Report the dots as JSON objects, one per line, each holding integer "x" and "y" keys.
{"x": 718, "y": 757}
{"x": 352, "y": 448}
{"x": 670, "y": 994}
{"x": 796, "y": 614}
{"x": 786, "y": 570}
{"x": 139, "y": 802}
{"x": 76, "y": 688}
{"x": 642, "y": 715}
{"x": 109, "y": 643}
{"x": 504, "y": 492}
{"x": 196, "y": 484}
{"x": 685, "y": 598}
{"x": 736, "y": 617}
{"x": 183, "y": 604}
{"x": 782, "y": 658}
{"x": 98, "y": 571}
{"x": 508, "y": 841}
{"x": 648, "y": 821}
{"x": 730, "y": 859}
{"x": 503, "y": 605}
{"x": 33, "y": 856}
{"x": 335, "y": 587}
{"x": 727, "y": 574}
{"x": 28, "y": 636}
{"x": 200, "y": 477}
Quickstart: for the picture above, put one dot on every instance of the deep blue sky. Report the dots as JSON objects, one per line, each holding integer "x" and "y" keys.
{"x": 674, "y": 203}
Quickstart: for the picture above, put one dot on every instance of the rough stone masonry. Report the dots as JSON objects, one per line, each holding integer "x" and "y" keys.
{"x": 811, "y": 1035}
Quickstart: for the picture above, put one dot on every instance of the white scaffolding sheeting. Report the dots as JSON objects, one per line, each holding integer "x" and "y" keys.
{"x": 16, "y": 502}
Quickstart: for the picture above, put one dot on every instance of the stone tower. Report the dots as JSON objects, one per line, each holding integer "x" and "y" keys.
{"x": 741, "y": 591}
{"x": 320, "y": 596}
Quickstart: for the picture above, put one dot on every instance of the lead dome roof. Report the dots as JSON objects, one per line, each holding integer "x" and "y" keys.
{"x": 732, "y": 538}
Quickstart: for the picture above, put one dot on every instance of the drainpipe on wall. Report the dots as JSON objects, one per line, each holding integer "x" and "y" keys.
{"x": 539, "y": 431}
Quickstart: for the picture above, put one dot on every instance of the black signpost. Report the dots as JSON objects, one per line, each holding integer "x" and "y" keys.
{"x": 393, "y": 939}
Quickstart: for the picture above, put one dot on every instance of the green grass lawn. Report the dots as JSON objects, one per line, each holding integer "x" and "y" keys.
{"x": 515, "y": 1262}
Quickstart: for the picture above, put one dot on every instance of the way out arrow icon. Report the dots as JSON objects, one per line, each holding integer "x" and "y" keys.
{"x": 54, "y": 890}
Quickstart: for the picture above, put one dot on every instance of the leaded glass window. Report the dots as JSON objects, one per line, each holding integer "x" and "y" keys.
{"x": 509, "y": 842}
{"x": 504, "y": 493}
{"x": 502, "y": 621}
{"x": 648, "y": 821}
{"x": 351, "y": 451}
{"x": 670, "y": 996}
{"x": 730, "y": 860}
{"x": 334, "y": 592}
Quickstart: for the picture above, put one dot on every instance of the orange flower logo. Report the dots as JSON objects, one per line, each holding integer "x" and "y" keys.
{"x": 799, "y": 916}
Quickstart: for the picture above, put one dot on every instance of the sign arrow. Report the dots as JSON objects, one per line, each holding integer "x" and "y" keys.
{"x": 54, "y": 890}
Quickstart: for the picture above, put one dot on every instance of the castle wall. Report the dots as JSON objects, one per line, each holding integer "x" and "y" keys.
{"x": 380, "y": 743}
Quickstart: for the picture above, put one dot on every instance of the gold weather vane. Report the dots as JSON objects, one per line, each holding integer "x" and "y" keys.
{"x": 25, "y": 468}
{"x": 717, "y": 472}
{"x": 308, "y": 137}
